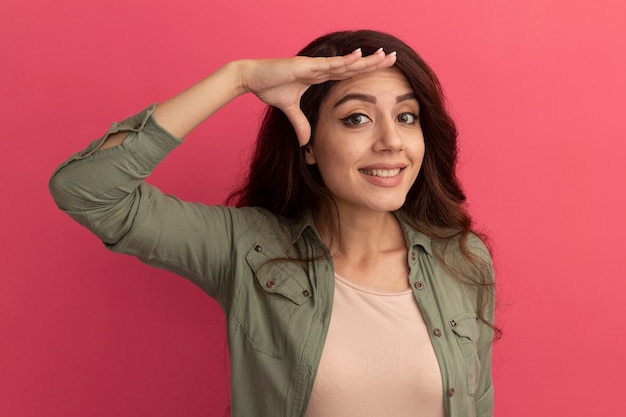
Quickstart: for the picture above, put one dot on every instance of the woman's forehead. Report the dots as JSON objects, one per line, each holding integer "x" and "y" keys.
{"x": 376, "y": 83}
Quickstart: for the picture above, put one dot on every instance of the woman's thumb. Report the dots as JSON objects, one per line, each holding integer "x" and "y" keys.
{"x": 300, "y": 124}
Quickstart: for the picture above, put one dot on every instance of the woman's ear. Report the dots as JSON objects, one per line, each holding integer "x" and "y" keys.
{"x": 308, "y": 155}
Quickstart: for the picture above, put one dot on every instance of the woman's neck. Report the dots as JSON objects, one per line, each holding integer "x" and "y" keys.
{"x": 367, "y": 248}
{"x": 361, "y": 234}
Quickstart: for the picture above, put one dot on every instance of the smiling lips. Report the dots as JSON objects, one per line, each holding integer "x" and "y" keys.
{"x": 383, "y": 173}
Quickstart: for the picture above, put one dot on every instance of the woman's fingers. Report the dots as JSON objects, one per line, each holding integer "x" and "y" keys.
{"x": 299, "y": 122}
{"x": 341, "y": 68}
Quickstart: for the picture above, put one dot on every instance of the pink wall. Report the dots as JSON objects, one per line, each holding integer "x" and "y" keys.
{"x": 539, "y": 93}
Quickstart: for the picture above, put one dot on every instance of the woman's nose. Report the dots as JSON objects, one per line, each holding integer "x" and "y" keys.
{"x": 387, "y": 136}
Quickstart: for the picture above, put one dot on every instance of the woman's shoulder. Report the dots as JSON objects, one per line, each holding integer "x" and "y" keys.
{"x": 263, "y": 218}
{"x": 478, "y": 244}
{"x": 263, "y": 225}
{"x": 469, "y": 244}
{"x": 446, "y": 241}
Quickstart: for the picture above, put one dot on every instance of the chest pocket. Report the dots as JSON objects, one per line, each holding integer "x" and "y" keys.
{"x": 269, "y": 303}
{"x": 466, "y": 328}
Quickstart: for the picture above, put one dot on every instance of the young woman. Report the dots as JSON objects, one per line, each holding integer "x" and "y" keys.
{"x": 348, "y": 271}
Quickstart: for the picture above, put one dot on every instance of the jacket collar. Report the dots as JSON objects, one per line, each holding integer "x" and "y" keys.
{"x": 412, "y": 236}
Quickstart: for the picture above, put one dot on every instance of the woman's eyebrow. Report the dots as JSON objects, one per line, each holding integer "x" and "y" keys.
{"x": 372, "y": 99}
{"x": 407, "y": 96}
{"x": 355, "y": 96}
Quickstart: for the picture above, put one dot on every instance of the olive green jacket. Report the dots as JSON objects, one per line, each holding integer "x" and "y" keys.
{"x": 277, "y": 312}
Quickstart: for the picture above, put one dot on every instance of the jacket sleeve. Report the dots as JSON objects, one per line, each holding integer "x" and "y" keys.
{"x": 105, "y": 192}
{"x": 484, "y": 398}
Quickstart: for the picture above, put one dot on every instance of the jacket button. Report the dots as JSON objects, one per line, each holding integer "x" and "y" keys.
{"x": 451, "y": 392}
{"x": 413, "y": 257}
{"x": 306, "y": 293}
{"x": 137, "y": 126}
{"x": 437, "y": 332}
{"x": 270, "y": 284}
{"x": 419, "y": 285}
{"x": 258, "y": 248}
{"x": 453, "y": 323}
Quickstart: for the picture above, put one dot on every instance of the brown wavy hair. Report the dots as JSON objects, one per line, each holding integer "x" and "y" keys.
{"x": 281, "y": 181}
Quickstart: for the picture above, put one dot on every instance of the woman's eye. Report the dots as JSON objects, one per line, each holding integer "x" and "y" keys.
{"x": 355, "y": 119}
{"x": 407, "y": 118}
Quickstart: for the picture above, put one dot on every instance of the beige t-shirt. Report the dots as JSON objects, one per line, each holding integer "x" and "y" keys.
{"x": 378, "y": 360}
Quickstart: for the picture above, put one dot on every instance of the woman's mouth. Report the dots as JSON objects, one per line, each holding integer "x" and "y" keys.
{"x": 383, "y": 173}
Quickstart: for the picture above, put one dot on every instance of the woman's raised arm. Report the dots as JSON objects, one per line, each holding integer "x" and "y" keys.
{"x": 277, "y": 82}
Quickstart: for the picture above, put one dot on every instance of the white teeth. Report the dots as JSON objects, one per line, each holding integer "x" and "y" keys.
{"x": 385, "y": 173}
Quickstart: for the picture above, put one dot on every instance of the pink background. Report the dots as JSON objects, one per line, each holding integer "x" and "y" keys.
{"x": 537, "y": 87}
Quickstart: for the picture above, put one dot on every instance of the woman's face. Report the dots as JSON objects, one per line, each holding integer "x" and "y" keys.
{"x": 368, "y": 142}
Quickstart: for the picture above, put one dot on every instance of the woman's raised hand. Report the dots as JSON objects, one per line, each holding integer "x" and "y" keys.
{"x": 277, "y": 82}
{"x": 282, "y": 82}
